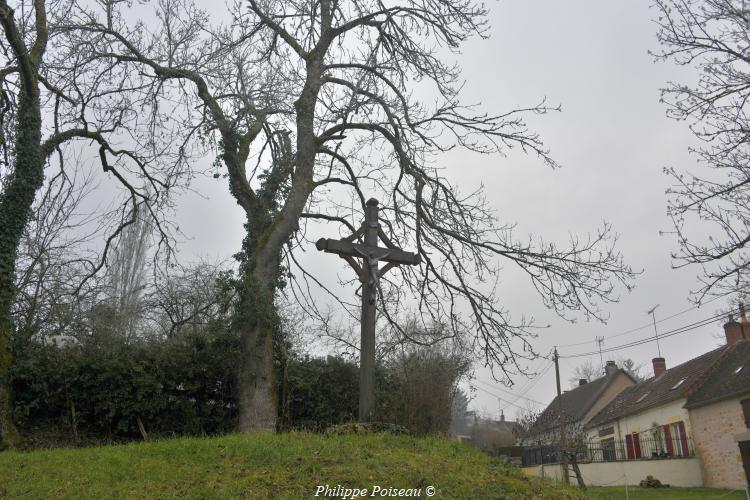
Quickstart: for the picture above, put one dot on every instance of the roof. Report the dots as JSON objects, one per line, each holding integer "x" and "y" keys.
{"x": 498, "y": 425}
{"x": 673, "y": 384}
{"x": 506, "y": 425}
{"x": 724, "y": 380}
{"x": 576, "y": 402}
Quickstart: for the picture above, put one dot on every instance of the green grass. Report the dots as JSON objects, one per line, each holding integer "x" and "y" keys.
{"x": 636, "y": 493}
{"x": 266, "y": 466}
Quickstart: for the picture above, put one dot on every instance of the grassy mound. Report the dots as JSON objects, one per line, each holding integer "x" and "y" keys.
{"x": 290, "y": 465}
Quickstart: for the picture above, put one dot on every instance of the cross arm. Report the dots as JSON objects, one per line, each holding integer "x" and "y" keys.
{"x": 343, "y": 247}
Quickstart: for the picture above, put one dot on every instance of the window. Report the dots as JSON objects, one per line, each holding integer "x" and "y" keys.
{"x": 681, "y": 442}
{"x": 633, "y": 446}
{"x": 675, "y": 440}
{"x": 608, "y": 449}
{"x": 678, "y": 384}
{"x": 606, "y": 431}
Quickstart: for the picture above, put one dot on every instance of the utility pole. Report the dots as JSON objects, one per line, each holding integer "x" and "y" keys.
{"x": 563, "y": 440}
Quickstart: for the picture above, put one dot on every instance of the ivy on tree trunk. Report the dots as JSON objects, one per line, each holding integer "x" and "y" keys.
{"x": 17, "y": 198}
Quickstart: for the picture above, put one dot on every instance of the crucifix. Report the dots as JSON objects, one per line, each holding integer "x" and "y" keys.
{"x": 363, "y": 244}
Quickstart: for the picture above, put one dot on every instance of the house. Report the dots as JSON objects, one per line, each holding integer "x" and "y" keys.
{"x": 488, "y": 433}
{"x": 688, "y": 425}
{"x": 649, "y": 417}
{"x": 720, "y": 414}
{"x": 675, "y": 424}
{"x": 579, "y": 406}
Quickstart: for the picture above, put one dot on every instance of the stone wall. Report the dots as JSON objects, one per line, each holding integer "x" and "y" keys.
{"x": 714, "y": 427}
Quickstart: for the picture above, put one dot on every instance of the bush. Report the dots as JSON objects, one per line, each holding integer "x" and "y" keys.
{"x": 83, "y": 394}
{"x": 414, "y": 391}
{"x": 78, "y": 393}
{"x": 318, "y": 393}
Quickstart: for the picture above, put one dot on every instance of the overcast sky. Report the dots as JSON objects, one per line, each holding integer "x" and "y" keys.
{"x": 612, "y": 139}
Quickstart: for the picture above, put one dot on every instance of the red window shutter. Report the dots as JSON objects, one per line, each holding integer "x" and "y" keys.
{"x": 637, "y": 445}
{"x": 683, "y": 438}
{"x": 668, "y": 439}
{"x": 629, "y": 446}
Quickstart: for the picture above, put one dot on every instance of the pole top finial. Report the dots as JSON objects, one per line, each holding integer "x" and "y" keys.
{"x": 372, "y": 202}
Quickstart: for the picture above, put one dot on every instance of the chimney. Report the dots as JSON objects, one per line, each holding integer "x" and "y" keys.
{"x": 610, "y": 368}
{"x": 582, "y": 381}
{"x": 660, "y": 366}
{"x": 734, "y": 330}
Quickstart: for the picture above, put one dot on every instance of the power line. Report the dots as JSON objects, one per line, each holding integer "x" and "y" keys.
{"x": 495, "y": 387}
{"x": 646, "y": 340}
{"x": 524, "y": 389}
{"x": 500, "y": 398}
{"x": 533, "y": 382}
{"x": 648, "y": 325}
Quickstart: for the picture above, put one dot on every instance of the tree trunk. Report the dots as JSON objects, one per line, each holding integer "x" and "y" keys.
{"x": 257, "y": 318}
{"x": 16, "y": 202}
{"x": 256, "y": 323}
{"x": 577, "y": 471}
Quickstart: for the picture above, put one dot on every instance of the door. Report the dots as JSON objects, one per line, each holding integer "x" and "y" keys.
{"x": 745, "y": 452}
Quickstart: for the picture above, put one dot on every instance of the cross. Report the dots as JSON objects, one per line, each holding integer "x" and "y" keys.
{"x": 369, "y": 274}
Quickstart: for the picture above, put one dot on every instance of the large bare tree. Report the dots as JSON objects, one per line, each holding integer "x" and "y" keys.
{"x": 25, "y": 44}
{"x": 710, "y": 209}
{"x": 53, "y": 93}
{"x": 313, "y": 107}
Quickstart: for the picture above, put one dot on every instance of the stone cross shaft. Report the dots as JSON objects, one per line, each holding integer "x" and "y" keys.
{"x": 363, "y": 244}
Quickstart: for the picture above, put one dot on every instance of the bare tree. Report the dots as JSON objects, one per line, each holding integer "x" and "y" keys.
{"x": 51, "y": 261}
{"x": 126, "y": 274}
{"x": 589, "y": 371}
{"x": 311, "y": 105}
{"x": 428, "y": 379}
{"x": 585, "y": 371}
{"x": 459, "y": 413}
{"x": 633, "y": 369}
{"x": 191, "y": 298}
{"x": 525, "y": 419}
{"x": 712, "y": 37}
{"x": 52, "y": 93}
{"x": 542, "y": 430}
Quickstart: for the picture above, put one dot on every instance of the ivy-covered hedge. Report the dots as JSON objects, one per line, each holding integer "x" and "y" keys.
{"x": 176, "y": 387}
{"x": 120, "y": 391}
{"x": 319, "y": 392}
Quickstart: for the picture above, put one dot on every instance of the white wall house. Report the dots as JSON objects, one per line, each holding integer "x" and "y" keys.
{"x": 686, "y": 426}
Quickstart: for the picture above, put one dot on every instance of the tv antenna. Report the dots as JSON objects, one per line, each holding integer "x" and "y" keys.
{"x": 656, "y": 332}
{"x": 600, "y": 341}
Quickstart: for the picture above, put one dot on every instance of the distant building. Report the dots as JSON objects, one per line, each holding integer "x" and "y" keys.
{"x": 687, "y": 425}
{"x": 579, "y": 405}
{"x": 490, "y": 435}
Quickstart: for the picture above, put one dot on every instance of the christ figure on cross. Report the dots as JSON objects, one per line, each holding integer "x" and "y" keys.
{"x": 363, "y": 244}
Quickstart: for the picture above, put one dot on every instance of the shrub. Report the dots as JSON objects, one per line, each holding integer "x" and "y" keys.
{"x": 182, "y": 386}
